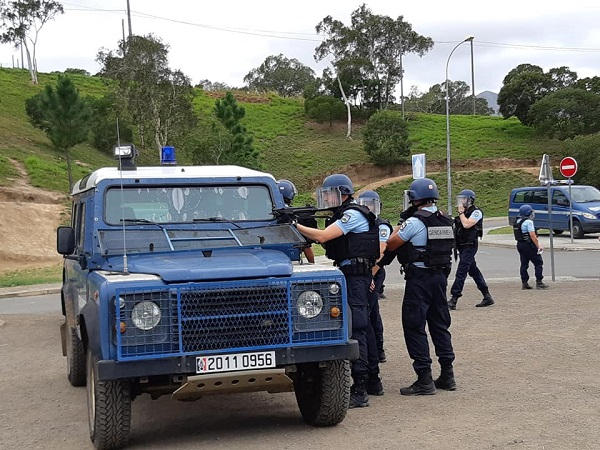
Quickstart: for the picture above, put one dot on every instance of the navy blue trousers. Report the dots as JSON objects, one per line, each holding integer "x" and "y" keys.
{"x": 375, "y": 330}
{"x": 528, "y": 253}
{"x": 468, "y": 266}
{"x": 425, "y": 303}
{"x": 358, "y": 300}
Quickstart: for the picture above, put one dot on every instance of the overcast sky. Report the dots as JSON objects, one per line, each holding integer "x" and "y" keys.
{"x": 73, "y": 39}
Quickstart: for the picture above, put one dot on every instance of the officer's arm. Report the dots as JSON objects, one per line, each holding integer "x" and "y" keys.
{"x": 321, "y": 236}
{"x": 534, "y": 239}
{"x": 467, "y": 222}
{"x": 394, "y": 242}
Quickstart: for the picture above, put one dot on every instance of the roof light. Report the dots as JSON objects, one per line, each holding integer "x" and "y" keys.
{"x": 124, "y": 151}
{"x": 126, "y": 155}
{"x": 167, "y": 156}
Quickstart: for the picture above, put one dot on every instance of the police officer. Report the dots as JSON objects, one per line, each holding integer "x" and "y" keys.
{"x": 351, "y": 241}
{"x": 468, "y": 228}
{"x": 371, "y": 200}
{"x": 529, "y": 247}
{"x": 288, "y": 191}
{"x": 429, "y": 240}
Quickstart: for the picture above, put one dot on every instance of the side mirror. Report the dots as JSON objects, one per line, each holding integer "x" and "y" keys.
{"x": 65, "y": 240}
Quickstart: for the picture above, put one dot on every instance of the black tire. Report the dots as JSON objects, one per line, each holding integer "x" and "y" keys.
{"x": 323, "y": 393}
{"x": 109, "y": 409}
{"x": 557, "y": 232}
{"x": 577, "y": 229}
{"x": 75, "y": 358}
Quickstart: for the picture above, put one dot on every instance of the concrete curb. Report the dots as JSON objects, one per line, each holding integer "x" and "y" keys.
{"x": 29, "y": 291}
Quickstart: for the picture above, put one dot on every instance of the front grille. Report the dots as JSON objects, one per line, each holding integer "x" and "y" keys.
{"x": 237, "y": 317}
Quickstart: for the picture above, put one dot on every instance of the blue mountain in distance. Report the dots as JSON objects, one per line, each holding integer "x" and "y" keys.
{"x": 492, "y": 99}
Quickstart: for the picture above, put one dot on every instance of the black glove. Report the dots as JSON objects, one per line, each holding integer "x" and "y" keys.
{"x": 387, "y": 258}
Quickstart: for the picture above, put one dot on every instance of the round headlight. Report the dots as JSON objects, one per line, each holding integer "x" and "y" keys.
{"x": 145, "y": 315}
{"x": 121, "y": 303}
{"x": 309, "y": 304}
{"x": 334, "y": 289}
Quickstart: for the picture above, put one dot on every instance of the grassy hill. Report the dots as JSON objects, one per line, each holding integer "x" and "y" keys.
{"x": 290, "y": 146}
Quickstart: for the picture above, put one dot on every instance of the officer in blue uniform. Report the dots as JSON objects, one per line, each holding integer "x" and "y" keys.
{"x": 529, "y": 247}
{"x": 371, "y": 200}
{"x": 468, "y": 228}
{"x": 288, "y": 191}
{"x": 426, "y": 241}
{"x": 351, "y": 241}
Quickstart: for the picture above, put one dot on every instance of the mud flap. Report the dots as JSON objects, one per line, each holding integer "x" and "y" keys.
{"x": 63, "y": 337}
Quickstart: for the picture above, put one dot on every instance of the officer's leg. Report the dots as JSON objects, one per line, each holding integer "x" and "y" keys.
{"x": 538, "y": 263}
{"x": 464, "y": 264}
{"x": 358, "y": 290}
{"x": 523, "y": 249}
{"x": 376, "y": 320}
{"x": 477, "y": 276}
{"x": 414, "y": 316}
{"x": 374, "y": 386}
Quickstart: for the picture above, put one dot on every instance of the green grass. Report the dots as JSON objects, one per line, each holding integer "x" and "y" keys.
{"x": 51, "y": 274}
{"x": 7, "y": 170}
{"x": 502, "y": 230}
{"x": 491, "y": 187}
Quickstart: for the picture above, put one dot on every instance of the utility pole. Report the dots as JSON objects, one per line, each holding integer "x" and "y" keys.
{"x": 129, "y": 18}
{"x": 402, "y": 85}
{"x": 472, "y": 77}
{"x": 123, "y": 31}
{"x": 22, "y": 62}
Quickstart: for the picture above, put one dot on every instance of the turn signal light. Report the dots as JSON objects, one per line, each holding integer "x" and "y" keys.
{"x": 335, "y": 312}
{"x": 123, "y": 327}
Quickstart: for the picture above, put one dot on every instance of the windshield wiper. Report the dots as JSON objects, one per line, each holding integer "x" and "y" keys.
{"x": 149, "y": 222}
{"x": 216, "y": 220}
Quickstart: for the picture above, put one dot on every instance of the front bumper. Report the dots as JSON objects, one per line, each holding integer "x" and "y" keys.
{"x": 112, "y": 370}
{"x": 590, "y": 226}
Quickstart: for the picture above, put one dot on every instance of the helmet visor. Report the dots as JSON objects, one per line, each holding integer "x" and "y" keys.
{"x": 532, "y": 215}
{"x": 462, "y": 200}
{"x": 328, "y": 197}
{"x": 373, "y": 204}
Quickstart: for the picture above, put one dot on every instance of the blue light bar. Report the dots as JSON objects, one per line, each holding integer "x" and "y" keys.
{"x": 167, "y": 156}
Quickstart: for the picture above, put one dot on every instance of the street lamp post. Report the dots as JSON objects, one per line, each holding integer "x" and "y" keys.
{"x": 469, "y": 39}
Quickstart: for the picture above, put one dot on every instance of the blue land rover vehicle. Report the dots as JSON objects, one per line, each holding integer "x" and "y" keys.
{"x": 180, "y": 281}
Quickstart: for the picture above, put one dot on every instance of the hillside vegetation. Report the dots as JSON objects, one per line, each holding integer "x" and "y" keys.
{"x": 290, "y": 146}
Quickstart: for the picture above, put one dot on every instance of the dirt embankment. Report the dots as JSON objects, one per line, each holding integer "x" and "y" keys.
{"x": 28, "y": 220}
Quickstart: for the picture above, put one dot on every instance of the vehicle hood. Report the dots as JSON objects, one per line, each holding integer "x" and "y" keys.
{"x": 223, "y": 264}
{"x": 592, "y": 206}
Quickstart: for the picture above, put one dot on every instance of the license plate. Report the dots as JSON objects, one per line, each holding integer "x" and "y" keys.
{"x": 235, "y": 361}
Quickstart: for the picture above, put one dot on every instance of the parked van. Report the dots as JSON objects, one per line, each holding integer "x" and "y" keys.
{"x": 586, "y": 207}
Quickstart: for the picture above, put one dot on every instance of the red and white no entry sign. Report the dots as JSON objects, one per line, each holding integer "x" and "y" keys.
{"x": 568, "y": 167}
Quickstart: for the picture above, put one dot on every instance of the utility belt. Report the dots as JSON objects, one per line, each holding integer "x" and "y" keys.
{"x": 357, "y": 266}
{"x": 411, "y": 270}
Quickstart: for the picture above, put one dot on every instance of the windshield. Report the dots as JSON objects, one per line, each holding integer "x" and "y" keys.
{"x": 585, "y": 194}
{"x": 173, "y": 204}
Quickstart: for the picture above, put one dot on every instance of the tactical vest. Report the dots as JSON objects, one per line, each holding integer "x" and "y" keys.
{"x": 437, "y": 253}
{"x": 518, "y": 232}
{"x": 468, "y": 236}
{"x": 354, "y": 245}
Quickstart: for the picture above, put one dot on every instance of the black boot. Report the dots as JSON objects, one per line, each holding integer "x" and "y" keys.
{"x": 382, "y": 357}
{"x": 423, "y": 386}
{"x": 525, "y": 285}
{"x": 446, "y": 380}
{"x": 487, "y": 300}
{"x": 358, "y": 395}
{"x": 452, "y": 303}
{"x": 541, "y": 285}
{"x": 374, "y": 386}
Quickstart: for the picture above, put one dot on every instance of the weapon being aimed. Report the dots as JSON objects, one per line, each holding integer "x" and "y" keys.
{"x": 305, "y": 215}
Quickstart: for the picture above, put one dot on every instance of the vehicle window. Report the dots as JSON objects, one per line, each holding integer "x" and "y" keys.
{"x": 539, "y": 197}
{"x": 75, "y": 220}
{"x": 173, "y": 204}
{"x": 585, "y": 194}
{"x": 81, "y": 227}
{"x": 73, "y": 211}
{"x": 558, "y": 198}
{"x": 520, "y": 197}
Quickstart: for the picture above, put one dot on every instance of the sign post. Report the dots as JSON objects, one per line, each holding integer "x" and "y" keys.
{"x": 547, "y": 179}
{"x": 568, "y": 169}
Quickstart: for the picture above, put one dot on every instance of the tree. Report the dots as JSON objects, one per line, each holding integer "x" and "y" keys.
{"x": 566, "y": 113}
{"x": 241, "y": 151}
{"x": 325, "y": 108}
{"x": 561, "y": 77}
{"x": 103, "y": 123}
{"x": 434, "y": 100}
{"x": 287, "y": 77}
{"x": 386, "y": 138}
{"x": 62, "y": 114}
{"x": 155, "y": 98}
{"x": 586, "y": 150}
{"x": 522, "y": 87}
{"x": 212, "y": 86}
{"x": 371, "y": 48}
{"x": 210, "y": 143}
{"x": 590, "y": 84}
{"x": 22, "y": 21}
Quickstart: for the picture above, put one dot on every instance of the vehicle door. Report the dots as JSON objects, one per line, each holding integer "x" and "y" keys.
{"x": 538, "y": 199}
{"x": 560, "y": 210}
{"x": 79, "y": 267}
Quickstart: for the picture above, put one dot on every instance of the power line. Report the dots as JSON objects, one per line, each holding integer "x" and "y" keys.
{"x": 291, "y": 35}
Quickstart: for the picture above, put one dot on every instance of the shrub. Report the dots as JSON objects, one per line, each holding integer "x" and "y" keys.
{"x": 386, "y": 138}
